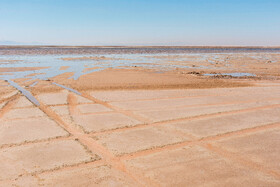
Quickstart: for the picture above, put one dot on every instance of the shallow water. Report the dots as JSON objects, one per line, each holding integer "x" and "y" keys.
{"x": 53, "y": 63}
{"x": 70, "y": 89}
{"x": 78, "y": 67}
{"x": 238, "y": 74}
{"x": 159, "y": 59}
{"x": 27, "y": 94}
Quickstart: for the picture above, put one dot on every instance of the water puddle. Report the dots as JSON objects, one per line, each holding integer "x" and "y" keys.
{"x": 33, "y": 84}
{"x": 70, "y": 89}
{"x": 26, "y": 93}
{"x": 231, "y": 74}
{"x": 48, "y": 65}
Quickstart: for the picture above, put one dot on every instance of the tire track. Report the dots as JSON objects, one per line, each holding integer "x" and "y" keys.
{"x": 245, "y": 162}
{"x": 9, "y": 105}
{"x": 166, "y": 122}
{"x": 93, "y": 145}
{"x": 125, "y": 112}
{"x": 196, "y": 141}
{"x": 205, "y": 105}
{"x": 116, "y": 161}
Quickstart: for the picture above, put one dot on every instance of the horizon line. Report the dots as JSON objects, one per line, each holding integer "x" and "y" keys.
{"x": 142, "y": 46}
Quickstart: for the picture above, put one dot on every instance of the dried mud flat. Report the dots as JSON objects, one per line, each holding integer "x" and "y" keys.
{"x": 138, "y": 127}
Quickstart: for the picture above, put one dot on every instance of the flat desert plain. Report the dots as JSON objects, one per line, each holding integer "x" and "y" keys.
{"x": 138, "y": 117}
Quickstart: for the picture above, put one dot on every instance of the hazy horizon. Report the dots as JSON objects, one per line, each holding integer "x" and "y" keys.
{"x": 140, "y": 23}
{"x": 13, "y": 43}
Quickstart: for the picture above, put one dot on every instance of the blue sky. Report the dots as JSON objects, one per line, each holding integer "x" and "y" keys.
{"x": 141, "y": 22}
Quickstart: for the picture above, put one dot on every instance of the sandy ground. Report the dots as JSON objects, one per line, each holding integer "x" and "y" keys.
{"x": 142, "y": 127}
{"x": 166, "y": 137}
{"x": 138, "y": 78}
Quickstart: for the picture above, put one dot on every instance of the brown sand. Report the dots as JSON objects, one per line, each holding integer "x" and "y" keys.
{"x": 143, "y": 127}
{"x": 168, "y": 137}
{"x": 64, "y": 67}
{"x": 120, "y": 79}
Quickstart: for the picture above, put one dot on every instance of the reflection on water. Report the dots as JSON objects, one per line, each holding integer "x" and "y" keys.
{"x": 77, "y": 67}
{"x": 27, "y": 94}
{"x": 70, "y": 89}
{"x": 33, "y": 84}
{"x": 232, "y": 74}
{"x": 96, "y": 62}
{"x": 49, "y": 64}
